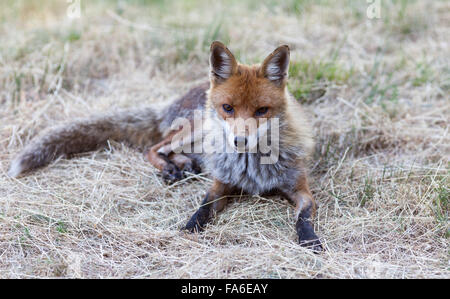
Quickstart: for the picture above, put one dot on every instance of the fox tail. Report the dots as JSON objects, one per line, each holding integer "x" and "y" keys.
{"x": 136, "y": 127}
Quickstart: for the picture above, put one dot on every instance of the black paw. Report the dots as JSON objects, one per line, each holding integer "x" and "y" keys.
{"x": 199, "y": 219}
{"x": 191, "y": 168}
{"x": 314, "y": 244}
{"x": 171, "y": 173}
{"x": 193, "y": 227}
{"x": 306, "y": 236}
{"x": 197, "y": 222}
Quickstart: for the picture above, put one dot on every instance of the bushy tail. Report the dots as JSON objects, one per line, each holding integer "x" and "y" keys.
{"x": 136, "y": 127}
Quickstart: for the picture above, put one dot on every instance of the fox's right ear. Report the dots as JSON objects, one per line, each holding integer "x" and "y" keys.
{"x": 222, "y": 63}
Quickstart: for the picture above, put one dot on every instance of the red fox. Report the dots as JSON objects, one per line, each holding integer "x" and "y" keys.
{"x": 255, "y": 93}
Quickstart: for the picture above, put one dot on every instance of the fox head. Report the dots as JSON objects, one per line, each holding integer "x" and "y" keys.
{"x": 245, "y": 98}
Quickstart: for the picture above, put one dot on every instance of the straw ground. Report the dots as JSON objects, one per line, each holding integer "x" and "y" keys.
{"x": 376, "y": 92}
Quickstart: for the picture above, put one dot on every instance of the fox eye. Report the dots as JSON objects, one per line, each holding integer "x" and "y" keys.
{"x": 228, "y": 108}
{"x": 261, "y": 111}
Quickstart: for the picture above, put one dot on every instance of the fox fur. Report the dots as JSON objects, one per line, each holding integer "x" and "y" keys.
{"x": 249, "y": 91}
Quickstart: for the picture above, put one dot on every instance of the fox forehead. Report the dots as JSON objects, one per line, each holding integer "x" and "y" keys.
{"x": 247, "y": 89}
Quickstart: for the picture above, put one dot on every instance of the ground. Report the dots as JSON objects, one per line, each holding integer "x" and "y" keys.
{"x": 375, "y": 89}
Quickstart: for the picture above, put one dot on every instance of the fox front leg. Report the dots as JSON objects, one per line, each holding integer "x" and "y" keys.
{"x": 214, "y": 202}
{"x": 305, "y": 207}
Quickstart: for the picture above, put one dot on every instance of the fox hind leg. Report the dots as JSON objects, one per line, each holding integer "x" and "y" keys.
{"x": 186, "y": 164}
{"x": 174, "y": 166}
{"x": 160, "y": 159}
{"x": 179, "y": 141}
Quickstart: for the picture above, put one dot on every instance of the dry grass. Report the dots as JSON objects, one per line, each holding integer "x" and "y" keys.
{"x": 380, "y": 176}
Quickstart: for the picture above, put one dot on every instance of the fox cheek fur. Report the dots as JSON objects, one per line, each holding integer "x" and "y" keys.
{"x": 234, "y": 90}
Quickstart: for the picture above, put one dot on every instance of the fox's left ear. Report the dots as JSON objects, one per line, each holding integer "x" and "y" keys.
{"x": 275, "y": 67}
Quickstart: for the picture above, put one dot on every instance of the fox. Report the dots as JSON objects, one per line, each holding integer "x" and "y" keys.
{"x": 256, "y": 93}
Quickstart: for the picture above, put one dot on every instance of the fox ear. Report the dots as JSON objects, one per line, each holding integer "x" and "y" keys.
{"x": 275, "y": 67}
{"x": 222, "y": 63}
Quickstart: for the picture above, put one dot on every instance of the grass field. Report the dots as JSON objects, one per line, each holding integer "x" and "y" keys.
{"x": 376, "y": 91}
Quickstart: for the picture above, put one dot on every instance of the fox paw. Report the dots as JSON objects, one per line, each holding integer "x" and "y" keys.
{"x": 198, "y": 220}
{"x": 193, "y": 226}
{"x": 307, "y": 238}
{"x": 191, "y": 168}
{"x": 314, "y": 244}
{"x": 171, "y": 173}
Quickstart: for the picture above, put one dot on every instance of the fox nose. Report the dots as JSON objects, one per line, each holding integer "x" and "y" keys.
{"x": 239, "y": 141}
